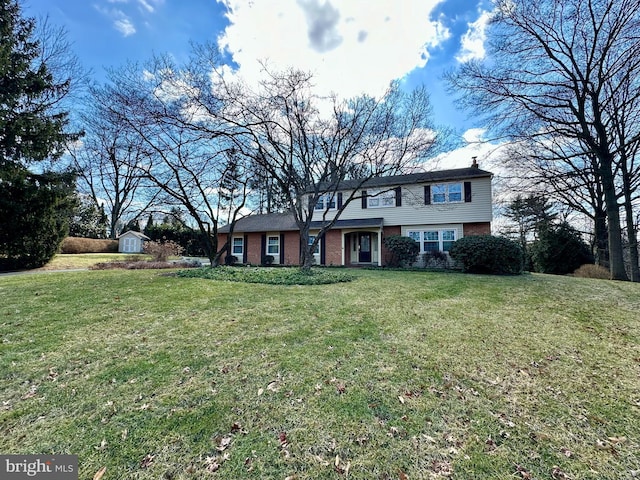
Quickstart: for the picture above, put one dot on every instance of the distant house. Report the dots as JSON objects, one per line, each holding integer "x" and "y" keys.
{"x": 131, "y": 242}
{"x": 434, "y": 208}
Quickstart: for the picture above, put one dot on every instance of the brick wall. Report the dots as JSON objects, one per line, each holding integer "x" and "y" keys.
{"x": 387, "y": 232}
{"x": 253, "y": 247}
{"x": 291, "y": 248}
{"x": 333, "y": 245}
{"x": 483, "y": 228}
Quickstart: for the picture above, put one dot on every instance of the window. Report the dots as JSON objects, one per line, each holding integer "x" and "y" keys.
{"x": 433, "y": 240}
{"x": 238, "y": 246}
{"x": 446, "y": 193}
{"x": 376, "y": 199}
{"x": 311, "y": 240}
{"x": 273, "y": 246}
{"x": 326, "y": 201}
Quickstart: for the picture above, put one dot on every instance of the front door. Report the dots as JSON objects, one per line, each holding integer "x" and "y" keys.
{"x": 364, "y": 247}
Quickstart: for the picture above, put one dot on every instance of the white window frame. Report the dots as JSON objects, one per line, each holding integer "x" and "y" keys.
{"x": 444, "y": 191}
{"x": 234, "y": 246}
{"x": 421, "y": 236}
{"x": 316, "y": 251}
{"x": 276, "y": 251}
{"x": 381, "y": 198}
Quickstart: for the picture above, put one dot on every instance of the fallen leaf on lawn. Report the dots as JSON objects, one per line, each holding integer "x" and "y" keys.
{"x": 260, "y": 391}
{"x": 125, "y": 433}
{"x": 147, "y": 460}
{"x": 223, "y": 444}
{"x": 237, "y": 428}
{"x": 273, "y": 386}
{"x": 99, "y": 473}
{"x": 282, "y": 437}
{"x": 559, "y": 474}
{"x": 523, "y": 473}
{"x": 617, "y": 439}
{"x": 402, "y": 475}
{"x": 211, "y": 464}
{"x": 102, "y": 446}
{"x": 566, "y": 452}
{"x": 401, "y": 398}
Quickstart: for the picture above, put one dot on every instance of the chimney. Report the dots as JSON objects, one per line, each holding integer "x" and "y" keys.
{"x": 475, "y": 162}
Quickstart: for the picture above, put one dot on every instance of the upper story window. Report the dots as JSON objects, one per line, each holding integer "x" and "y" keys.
{"x": 326, "y": 202}
{"x": 377, "y": 199}
{"x": 446, "y": 193}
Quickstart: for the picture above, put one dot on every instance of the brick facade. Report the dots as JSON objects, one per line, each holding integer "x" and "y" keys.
{"x": 387, "y": 232}
{"x": 333, "y": 247}
{"x": 483, "y": 228}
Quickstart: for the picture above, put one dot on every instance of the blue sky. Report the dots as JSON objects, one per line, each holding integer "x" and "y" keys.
{"x": 352, "y": 46}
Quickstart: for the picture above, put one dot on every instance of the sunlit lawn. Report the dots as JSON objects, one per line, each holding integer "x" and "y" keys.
{"x": 394, "y": 375}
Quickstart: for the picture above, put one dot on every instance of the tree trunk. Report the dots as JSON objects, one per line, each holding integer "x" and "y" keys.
{"x": 632, "y": 234}
{"x": 616, "y": 257}
{"x": 306, "y": 255}
{"x": 601, "y": 238}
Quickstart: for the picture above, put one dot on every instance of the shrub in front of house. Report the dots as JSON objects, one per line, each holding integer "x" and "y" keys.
{"x": 161, "y": 251}
{"x": 488, "y": 254}
{"x": 435, "y": 259}
{"x": 404, "y": 250}
{"x": 78, "y": 245}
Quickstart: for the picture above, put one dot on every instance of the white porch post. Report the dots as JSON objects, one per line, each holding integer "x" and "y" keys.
{"x": 380, "y": 247}
{"x": 342, "y": 235}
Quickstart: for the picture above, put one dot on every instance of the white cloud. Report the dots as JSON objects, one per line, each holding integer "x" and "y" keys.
{"x": 472, "y": 42}
{"x": 351, "y": 47}
{"x": 125, "y": 26}
{"x": 146, "y": 5}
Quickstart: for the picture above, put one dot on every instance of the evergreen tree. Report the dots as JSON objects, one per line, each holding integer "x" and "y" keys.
{"x": 35, "y": 207}
{"x": 559, "y": 249}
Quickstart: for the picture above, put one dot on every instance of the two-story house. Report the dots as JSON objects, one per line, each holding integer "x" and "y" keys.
{"x": 434, "y": 208}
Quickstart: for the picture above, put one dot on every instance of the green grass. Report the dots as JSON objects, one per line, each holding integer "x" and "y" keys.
{"x": 394, "y": 375}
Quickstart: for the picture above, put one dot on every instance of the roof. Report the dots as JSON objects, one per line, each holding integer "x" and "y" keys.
{"x": 283, "y": 222}
{"x": 131, "y": 233}
{"x": 413, "y": 178}
{"x": 353, "y": 223}
{"x": 268, "y": 222}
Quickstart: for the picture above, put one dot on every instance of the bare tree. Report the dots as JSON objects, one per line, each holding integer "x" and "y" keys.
{"x": 106, "y": 162}
{"x": 201, "y": 172}
{"x": 310, "y": 145}
{"x": 554, "y": 71}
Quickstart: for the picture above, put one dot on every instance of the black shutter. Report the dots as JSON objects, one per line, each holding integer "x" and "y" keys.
{"x": 339, "y": 200}
{"x": 427, "y": 194}
{"x": 323, "y": 250}
{"x": 263, "y": 247}
{"x": 245, "y": 253}
{"x": 398, "y": 196}
{"x": 364, "y": 199}
{"x": 467, "y": 192}
{"x": 282, "y": 249}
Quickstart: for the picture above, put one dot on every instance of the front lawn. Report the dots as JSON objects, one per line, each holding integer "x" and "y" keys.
{"x": 394, "y": 375}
